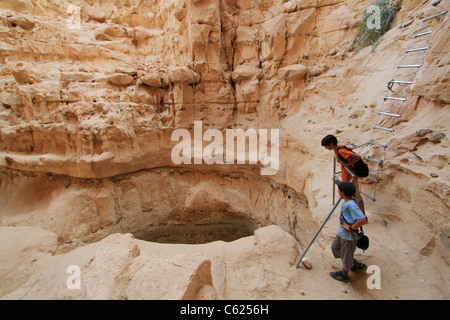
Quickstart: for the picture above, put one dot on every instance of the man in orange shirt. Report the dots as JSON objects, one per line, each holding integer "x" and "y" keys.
{"x": 330, "y": 143}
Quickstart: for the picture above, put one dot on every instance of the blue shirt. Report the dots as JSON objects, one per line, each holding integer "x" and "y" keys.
{"x": 351, "y": 212}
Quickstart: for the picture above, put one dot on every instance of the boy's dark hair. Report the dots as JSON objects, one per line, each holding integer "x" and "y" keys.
{"x": 347, "y": 188}
{"x": 329, "y": 139}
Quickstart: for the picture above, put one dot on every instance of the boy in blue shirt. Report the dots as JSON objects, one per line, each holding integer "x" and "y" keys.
{"x": 344, "y": 244}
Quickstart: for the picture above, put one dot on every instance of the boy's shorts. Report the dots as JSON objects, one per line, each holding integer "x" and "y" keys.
{"x": 344, "y": 249}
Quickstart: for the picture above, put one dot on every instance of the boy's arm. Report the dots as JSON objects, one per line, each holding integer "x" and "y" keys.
{"x": 352, "y": 159}
{"x": 358, "y": 223}
{"x": 349, "y": 156}
{"x": 357, "y": 215}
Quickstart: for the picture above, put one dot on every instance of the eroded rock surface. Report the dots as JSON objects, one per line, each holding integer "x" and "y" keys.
{"x": 121, "y": 267}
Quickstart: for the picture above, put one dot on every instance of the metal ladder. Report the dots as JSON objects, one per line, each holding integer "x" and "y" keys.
{"x": 394, "y": 103}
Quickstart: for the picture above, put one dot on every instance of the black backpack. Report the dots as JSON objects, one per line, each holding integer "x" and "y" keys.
{"x": 363, "y": 242}
{"x": 360, "y": 168}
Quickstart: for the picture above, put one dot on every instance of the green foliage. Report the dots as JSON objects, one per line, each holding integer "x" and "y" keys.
{"x": 377, "y": 20}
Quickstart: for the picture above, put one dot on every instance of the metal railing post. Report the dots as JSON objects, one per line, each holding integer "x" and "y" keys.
{"x": 317, "y": 233}
{"x": 351, "y": 173}
{"x": 328, "y": 217}
{"x": 334, "y": 174}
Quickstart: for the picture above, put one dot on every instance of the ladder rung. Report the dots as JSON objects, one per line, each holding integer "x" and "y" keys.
{"x": 436, "y": 15}
{"x": 373, "y": 160}
{"x": 418, "y": 49}
{"x": 434, "y": 4}
{"x": 409, "y": 66}
{"x": 371, "y": 198}
{"x": 393, "y": 98}
{"x": 400, "y": 81}
{"x": 373, "y": 179}
{"x": 422, "y": 34}
{"x": 382, "y": 128}
{"x": 372, "y": 143}
{"x": 378, "y": 144}
{"x": 390, "y": 114}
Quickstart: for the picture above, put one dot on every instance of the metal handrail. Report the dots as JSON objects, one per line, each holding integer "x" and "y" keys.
{"x": 328, "y": 216}
{"x": 317, "y": 233}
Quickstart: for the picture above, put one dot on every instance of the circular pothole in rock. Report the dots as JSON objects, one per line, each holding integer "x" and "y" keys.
{"x": 199, "y": 232}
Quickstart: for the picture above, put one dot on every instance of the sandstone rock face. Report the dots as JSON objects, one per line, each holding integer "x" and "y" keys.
{"x": 192, "y": 273}
{"x": 121, "y": 267}
{"x": 23, "y": 251}
{"x": 292, "y": 72}
{"x": 91, "y": 93}
{"x": 121, "y": 79}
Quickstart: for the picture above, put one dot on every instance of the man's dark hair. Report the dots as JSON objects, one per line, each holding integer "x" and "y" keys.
{"x": 329, "y": 139}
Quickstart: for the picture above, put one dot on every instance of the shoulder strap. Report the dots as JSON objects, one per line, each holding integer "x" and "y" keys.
{"x": 341, "y": 157}
{"x": 349, "y": 224}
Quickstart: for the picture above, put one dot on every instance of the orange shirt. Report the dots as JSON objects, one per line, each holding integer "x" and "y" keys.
{"x": 344, "y": 173}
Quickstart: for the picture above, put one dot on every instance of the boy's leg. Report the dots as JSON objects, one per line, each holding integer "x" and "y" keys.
{"x": 347, "y": 249}
{"x": 336, "y": 247}
{"x": 347, "y": 252}
{"x": 358, "y": 266}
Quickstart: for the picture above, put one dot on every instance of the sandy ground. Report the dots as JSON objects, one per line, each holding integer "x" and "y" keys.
{"x": 404, "y": 273}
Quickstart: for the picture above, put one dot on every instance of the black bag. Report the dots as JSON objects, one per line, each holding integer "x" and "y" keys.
{"x": 363, "y": 242}
{"x": 360, "y": 168}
